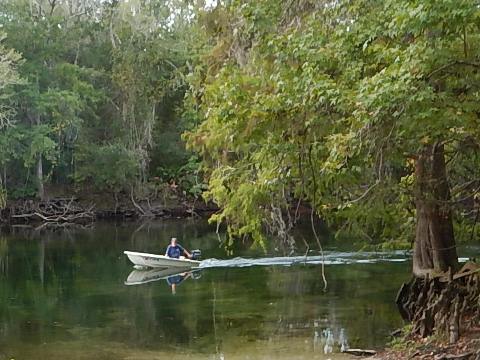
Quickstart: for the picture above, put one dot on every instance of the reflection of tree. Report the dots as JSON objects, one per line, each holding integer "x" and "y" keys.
{"x": 217, "y": 341}
{"x": 41, "y": 259}
{"x": 42, "y": 286}
{"x": 3, "y": 255}
{"x": 329, "y": 341}
{"x": 353, "y": 301}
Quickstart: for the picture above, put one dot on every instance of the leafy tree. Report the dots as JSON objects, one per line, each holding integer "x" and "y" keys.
{"x": 366, "y": 110}
{"x": 110, "y": 167}
{"x": 60, "y": 92}
{"x": 9, "y": 61}
{"x": 147, "y": 56}
{"x": 99, "y": 74}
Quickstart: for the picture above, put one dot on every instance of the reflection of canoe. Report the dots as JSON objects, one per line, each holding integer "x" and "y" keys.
{"x": 159, "y": 261}
{"x": 138, "y": 277}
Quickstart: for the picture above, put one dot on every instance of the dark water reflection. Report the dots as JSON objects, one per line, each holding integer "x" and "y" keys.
{"x": 62, "y": 295}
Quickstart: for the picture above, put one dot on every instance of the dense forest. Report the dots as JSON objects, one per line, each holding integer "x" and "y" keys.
{"x": 362, "y": 113}
{"x": 92, "y": 96}
{"x": 280, "y": 105}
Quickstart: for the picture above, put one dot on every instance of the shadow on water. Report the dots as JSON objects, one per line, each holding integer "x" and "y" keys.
{"x": 63, "y": 295}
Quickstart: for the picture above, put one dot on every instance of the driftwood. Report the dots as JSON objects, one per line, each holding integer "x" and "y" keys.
{"x": 360, "y": 352}
{"x": 58, "y": 210}
{"x": 68, "y": 210}
{"x": 441, "y": 304}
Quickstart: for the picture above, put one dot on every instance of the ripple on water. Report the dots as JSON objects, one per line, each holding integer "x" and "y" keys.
{"x": 329, "y": 258}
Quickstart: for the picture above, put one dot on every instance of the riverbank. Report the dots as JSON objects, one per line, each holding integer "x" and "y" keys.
{"x": 434, "y": 348}
{"x": 467, "y": 348}
{"x": 444, "y": 314}
{"x": 84, "y": 210}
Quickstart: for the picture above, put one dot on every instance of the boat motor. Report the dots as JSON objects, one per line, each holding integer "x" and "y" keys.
{"x": 196, "y": 254}
{"x": 196, "y": 275}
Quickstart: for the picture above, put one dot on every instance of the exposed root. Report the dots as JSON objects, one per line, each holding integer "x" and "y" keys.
{"x": 445, "y": 305}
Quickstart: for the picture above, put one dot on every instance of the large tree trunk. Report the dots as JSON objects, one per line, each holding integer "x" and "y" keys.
{"x": 434, "y": 249}
{"x": 432, "y": 303}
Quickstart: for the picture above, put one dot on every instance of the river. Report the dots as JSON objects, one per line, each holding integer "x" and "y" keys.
{"x": 63, "y": 295}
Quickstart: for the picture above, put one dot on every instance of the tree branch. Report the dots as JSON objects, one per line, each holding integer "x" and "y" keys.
{"x": 364, "y": 194}
{"x": 453, "y": 63}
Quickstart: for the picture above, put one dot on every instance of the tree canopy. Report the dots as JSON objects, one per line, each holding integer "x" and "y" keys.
{"x": 9, "y": 62}
{"x": 103, "y": 81}
{"x": 332, "y": 104}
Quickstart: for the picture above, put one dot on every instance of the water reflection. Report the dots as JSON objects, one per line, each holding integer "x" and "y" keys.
{"x": 138, "y": 277}
{"x": 330, "y": 340}
{"x": 65, "y": 296}
{"x": 173, "y": 276}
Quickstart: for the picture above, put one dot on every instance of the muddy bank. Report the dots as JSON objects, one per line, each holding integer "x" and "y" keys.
{"x": 466, "y": 348}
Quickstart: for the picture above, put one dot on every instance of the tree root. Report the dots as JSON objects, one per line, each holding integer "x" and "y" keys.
{"x": 440, "y": 305}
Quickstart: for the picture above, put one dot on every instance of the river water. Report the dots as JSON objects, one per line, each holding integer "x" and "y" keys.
{"x": 65, "y": 294}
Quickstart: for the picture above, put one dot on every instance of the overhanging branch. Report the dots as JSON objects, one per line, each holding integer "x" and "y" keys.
{"x": 453, "y": 63}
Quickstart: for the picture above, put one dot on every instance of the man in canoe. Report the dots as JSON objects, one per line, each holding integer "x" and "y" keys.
{"x": 175, "y": 250}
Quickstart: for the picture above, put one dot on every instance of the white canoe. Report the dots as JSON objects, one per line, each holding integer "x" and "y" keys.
{"x": 159, "y": 261}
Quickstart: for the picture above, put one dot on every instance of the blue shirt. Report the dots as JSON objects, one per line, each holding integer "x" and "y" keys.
{"x": 175, "y": 279}
{"x": 174, "y": 251}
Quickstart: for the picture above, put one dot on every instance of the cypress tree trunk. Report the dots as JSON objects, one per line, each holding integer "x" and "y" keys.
{"x": 432, "y": 304}
{"x": 434, "y": 249}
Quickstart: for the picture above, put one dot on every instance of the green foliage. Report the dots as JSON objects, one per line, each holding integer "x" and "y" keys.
{"x": 25, "y": 144}
{"x": 39, "y": 144}
{"x": 330, "y": 104}
{"x": 190, "y": 177}
{"x": 9, "y": 61}
{"x": 97, "y": 74}
{"x": 28, "y": 190}
{"x": 21, "y": 146}
{"x": 403, "y": 342}
{"x": 110, "y": 167}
